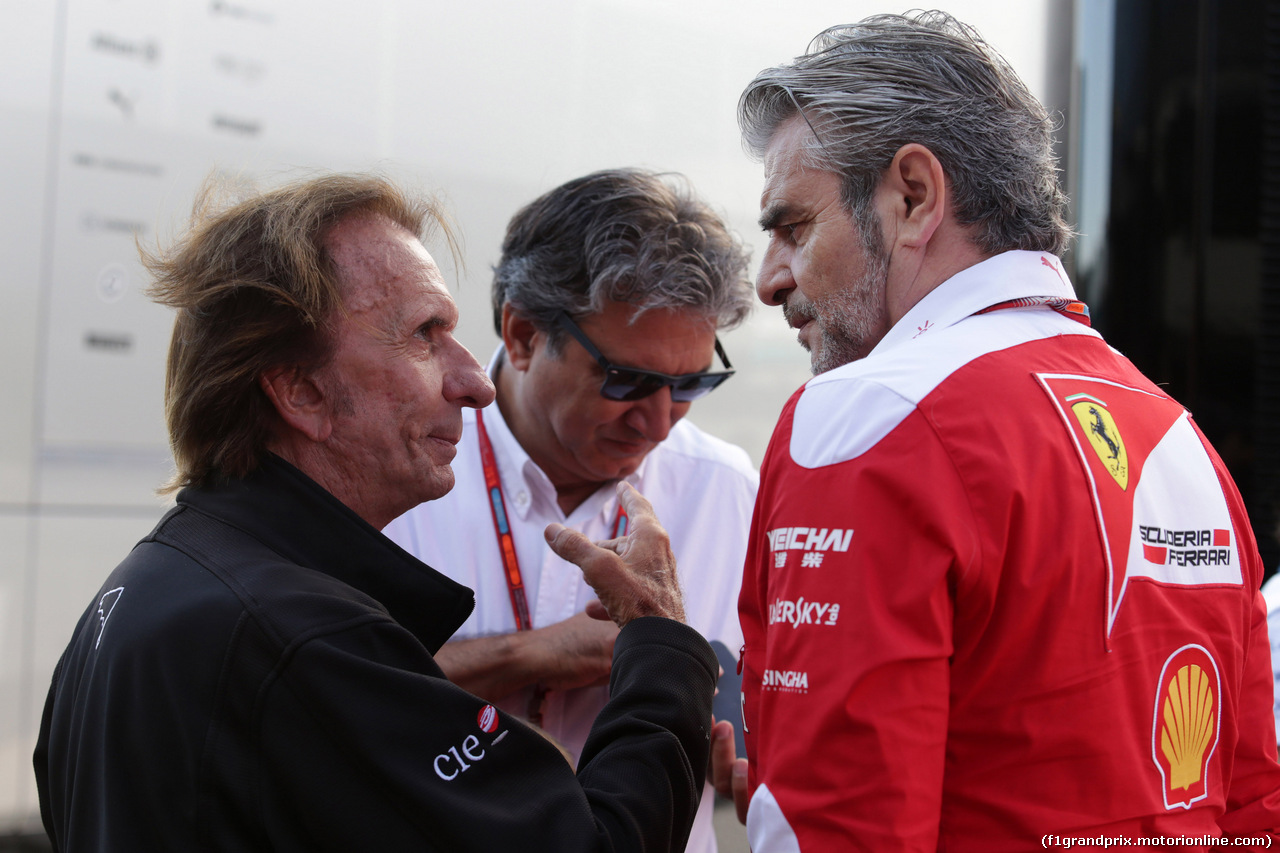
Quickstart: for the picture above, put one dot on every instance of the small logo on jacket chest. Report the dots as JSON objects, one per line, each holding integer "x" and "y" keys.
{"x": 460, "y": 758}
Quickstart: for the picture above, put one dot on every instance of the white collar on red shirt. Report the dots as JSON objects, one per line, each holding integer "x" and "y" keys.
{"x": 832, "y": 424}
{"x": 1007, "y": 276}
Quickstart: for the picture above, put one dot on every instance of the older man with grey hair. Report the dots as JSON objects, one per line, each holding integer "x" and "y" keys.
{"x": 608, "y": 298}
{"x": 1000, "y": 592}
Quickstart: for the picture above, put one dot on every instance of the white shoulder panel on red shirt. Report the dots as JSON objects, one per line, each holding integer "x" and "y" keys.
{"x": 845, "y": 412}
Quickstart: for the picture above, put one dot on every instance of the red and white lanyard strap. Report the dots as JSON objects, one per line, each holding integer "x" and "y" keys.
{"x": 620, "y": 522}
{"x": 1073, "y": 308}
{"x": 502, "y": 527}
{"x": 507, "y": 548}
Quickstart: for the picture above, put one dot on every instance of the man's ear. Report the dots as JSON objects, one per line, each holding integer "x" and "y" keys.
{"x": 916, "y": 187}
{"x": 298, "y": 400}
{"x": 518, "y": 336}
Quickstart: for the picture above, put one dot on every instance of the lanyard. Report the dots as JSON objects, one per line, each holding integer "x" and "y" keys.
{"x": 502, "y": 528}
{"x": 1072, "y": 308}
{"x": 507, "y": 547}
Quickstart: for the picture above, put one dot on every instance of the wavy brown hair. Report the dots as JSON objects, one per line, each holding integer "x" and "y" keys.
{"x": 254, "y": 288}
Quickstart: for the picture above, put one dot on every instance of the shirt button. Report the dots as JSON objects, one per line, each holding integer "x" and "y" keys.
{"x": 522, "y": 499}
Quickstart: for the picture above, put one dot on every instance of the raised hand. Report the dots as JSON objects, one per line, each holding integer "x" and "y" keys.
{"x": 632, "y": 576}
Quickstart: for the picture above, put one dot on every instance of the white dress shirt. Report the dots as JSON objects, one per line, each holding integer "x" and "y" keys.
{"x": 703, "y": 490}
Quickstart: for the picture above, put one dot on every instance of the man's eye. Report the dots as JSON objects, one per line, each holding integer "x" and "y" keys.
{"x": 429, "y": 329}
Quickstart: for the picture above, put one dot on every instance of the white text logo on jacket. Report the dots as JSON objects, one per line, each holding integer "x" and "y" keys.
{"x": 460, "y": 758}
{"x": 801, "y": 612}
{"x": 815, "y": 542}
{"x": 785, "y": 680}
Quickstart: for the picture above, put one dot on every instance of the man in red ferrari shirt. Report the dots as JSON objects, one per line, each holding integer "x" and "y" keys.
{"x": 1000, "y": 591}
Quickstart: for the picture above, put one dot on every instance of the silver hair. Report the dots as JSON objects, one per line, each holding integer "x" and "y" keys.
{"x": 867, "y": 89}
{"x": 622, "y": 235}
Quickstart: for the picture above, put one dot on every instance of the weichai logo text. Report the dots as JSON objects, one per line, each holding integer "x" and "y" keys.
{"x": 1166, "y": 547}
{"x": 809, "y": 539}
{"x": 785, "y": 680}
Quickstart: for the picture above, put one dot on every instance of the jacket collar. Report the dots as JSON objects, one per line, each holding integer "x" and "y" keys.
{"x": 290, "y": 513}
{"x": 1010, "y": 275}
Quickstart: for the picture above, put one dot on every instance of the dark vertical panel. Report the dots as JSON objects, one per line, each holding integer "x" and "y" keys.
{"x": 1147, "y": 309}
{"x": 1267, "y": 381}
{"x": 1230, "y": 250}
{"x": 1229, "y": 254}
{"x": 1184, "y": 240}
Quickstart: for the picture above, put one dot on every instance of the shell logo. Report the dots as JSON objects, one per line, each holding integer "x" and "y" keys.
{"x": 1186, "y": 724}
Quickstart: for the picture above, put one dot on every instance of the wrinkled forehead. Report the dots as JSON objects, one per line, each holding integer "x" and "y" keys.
{"x": 377, "y": 261}
{"x": 786, "y": 142}
{"x": 794, "y": 147}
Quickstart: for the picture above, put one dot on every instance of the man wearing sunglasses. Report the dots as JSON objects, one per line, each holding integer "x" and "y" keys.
{"x": 608, "y": 299}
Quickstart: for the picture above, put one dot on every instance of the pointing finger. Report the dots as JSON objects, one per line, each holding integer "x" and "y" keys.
{"x": 597, "y": 564}
{"x": 635, "y": 504}
{"x": 568, "y": 544}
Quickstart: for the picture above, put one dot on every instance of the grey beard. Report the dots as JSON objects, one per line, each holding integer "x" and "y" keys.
{"x": 851, "y": 324}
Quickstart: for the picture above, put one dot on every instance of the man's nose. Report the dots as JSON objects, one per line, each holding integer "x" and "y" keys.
{"x": 655, "y": 415}
{"x": 774, "y": 280}
{"x": 467, "y": 382}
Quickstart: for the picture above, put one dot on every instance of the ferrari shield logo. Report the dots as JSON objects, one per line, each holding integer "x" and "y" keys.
{"x": 1104, "y": 436}
{"x": 1157, "y": 498}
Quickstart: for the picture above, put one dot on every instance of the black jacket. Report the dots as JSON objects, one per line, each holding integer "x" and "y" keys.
{"x": 257, "y": 675}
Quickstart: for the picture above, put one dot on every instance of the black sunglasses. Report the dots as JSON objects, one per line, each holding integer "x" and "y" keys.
{"x": 632, "y": 383}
